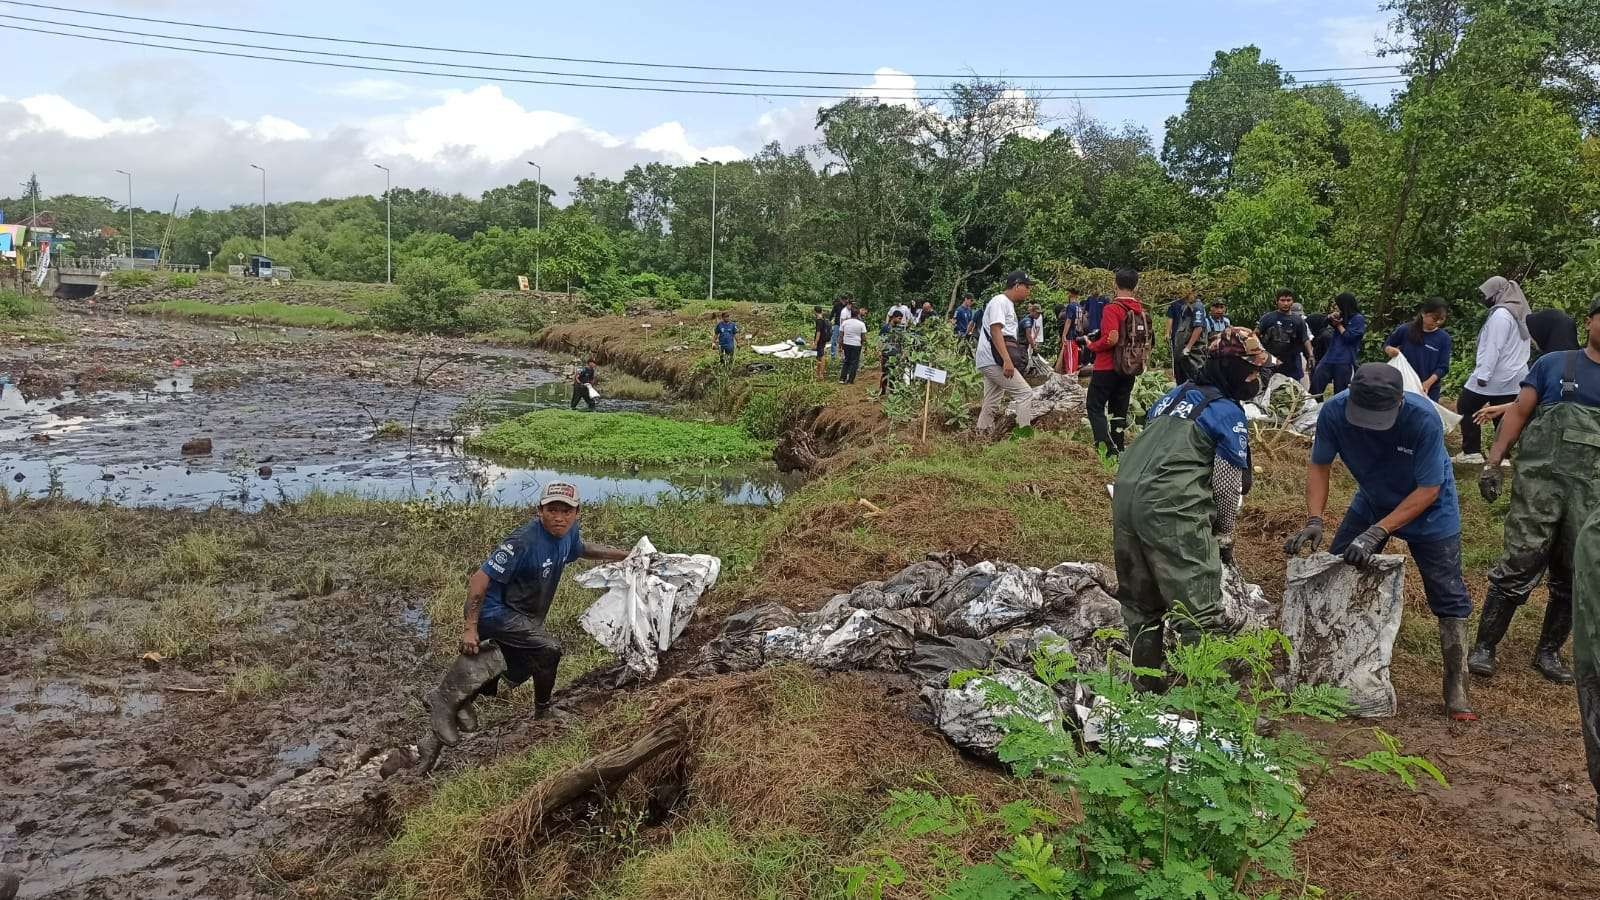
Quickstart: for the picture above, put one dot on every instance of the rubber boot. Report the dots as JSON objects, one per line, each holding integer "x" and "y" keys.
{"x": 1453, "y": 646}
{"x": 1492, "y": 625}
{"x": 1547, "y": 657}
{"x": 466, "y": 718}
{"x": 1148, "y": 651}
{"x": 460, "y": 684}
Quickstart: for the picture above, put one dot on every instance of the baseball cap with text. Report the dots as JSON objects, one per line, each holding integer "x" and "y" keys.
{"x": 559, "y": 492}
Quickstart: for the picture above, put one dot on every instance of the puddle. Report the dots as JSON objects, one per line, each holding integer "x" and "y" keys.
{"x": 300, "y": 754}
{"x": 33, "y": 702}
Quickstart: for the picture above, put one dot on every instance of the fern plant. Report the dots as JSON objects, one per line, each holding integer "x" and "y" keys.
{"x": 1182, "y": 795}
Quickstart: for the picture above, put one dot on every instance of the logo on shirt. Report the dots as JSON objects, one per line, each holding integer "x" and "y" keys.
{"x": 500, "y": 560}
{"x": 1407, "y": 451}
{"x": 544, "y": 570}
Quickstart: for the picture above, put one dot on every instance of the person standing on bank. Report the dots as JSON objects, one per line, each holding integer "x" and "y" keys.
{"x": 1070, "y": 320}
{"x": 725, "y": 334}
{"x": 1425, "y": 345}
{"x": 1123, "y": 322}
{"x": 1502, "y": 362}
{"x": 962, "y": 320}
{"x": 1336, "y": 367}
{"x": 852, "y": 335}
{"x": 1393, "y": 444}
{"x": 1555, "y": 486}
{"x": 581, "y": 383}
{"x": 1177, "y": 497}
{"x": 507, "y": 600}
{"x": 823, "y": 334}
{"x": 999, "y": 352}
{"x": 1283, "y": 332}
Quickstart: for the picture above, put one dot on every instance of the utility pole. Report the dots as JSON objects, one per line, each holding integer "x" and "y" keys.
{"x": 538, "y": 223}
{"x": 388, "y": 231}
{"x": 32, "y": 187}
{"x": 263, "y": 207}
{"x": 130, "y": 214}
{"x": 711, "y": 282}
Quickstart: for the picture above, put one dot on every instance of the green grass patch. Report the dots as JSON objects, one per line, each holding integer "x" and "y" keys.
{"x": 622, "y": 386}
{"x": 15, "y": 306}
{"x": 256, "y": 681}
{"x": 563, "y": 436}
{"x": 267, "y": 311}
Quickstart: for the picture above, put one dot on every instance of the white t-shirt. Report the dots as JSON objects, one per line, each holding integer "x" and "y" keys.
{"x": 851, "y": 331}
{"x": 904, "y": 310}
{"x": 999, "y": 310}
{"x": 845, "y": 313}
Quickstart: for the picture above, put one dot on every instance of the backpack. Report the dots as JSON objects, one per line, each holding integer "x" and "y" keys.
{"x": 1132, "y": 352}
{"x": 1279, "y": 338}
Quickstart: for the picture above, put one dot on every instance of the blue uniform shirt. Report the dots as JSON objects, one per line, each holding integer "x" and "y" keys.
{"x": 1431, "y": 357}
{"x": 525, "y": 569}
{"x": 725, "y": 333}
{"x": 1222, "y": 420}
{"x": 963, "y": 320}
{"x": 1344, "y": 348}
{"x": 1389, "y": 465}
{"x": 1548, "y": 370}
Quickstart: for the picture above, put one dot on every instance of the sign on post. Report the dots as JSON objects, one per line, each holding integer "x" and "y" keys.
{"x": 929, "y": 373}
{"x": 929, "y": 377}
{"x": 522, "y": 282}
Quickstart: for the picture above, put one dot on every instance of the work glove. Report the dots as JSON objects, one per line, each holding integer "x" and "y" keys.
{"x": 1489, "y": 481}
{"x": 1365, "y": 546}
{"x": 1309, "y": 536}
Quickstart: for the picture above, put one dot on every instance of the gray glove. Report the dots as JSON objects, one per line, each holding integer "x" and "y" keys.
{"x": 1309, "y": 536}
{"x": 1489, "y": 481}
{"x": 1365, "y": 546}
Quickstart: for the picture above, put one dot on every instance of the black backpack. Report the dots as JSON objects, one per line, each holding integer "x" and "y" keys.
{"x": 1279, "y": 337}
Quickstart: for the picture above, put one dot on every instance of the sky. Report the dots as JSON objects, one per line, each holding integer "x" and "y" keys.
{"x": 75, "y": 111}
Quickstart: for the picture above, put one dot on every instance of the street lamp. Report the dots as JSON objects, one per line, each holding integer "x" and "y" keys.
{"x": 208, "y": 260}
{"x": 711, "y": 282}
{"x": 538, "y": 223}
{"x": 388, "y": 231}
{"x": 130, "y": 214}
{"x": 263, "y": 207}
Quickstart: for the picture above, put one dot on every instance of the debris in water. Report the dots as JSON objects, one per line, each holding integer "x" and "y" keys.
{"x": 196, "y": 447}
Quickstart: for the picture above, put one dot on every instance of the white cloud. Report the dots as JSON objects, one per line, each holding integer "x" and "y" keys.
{"x": 372, "y": 89}
{"x": 1354, "y": 39}
{"x": 891, "y": 86}
{"x": 54, "y": 113}
{"x": 272, "y": 128}
{"x": 670, "y": 139}
{"x": 482, "y": 123}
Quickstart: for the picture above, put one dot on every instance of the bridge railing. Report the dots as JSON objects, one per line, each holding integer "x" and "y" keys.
{"x": 86, "y": 265}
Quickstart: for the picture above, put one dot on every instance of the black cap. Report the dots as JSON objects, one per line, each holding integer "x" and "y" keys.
{"x": 1376, "y": 395}
{"x": 1594, "y": 306}
{"x": 1018, "y": 277}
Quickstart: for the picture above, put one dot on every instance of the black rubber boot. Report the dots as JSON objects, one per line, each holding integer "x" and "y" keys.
{"x": 460, "y": 684}
{"x": 1557, "y": 627}
{"x": 1148, "y": 651}
{"x": 1492, "y": 625}
{"x": 1453, "y": 646}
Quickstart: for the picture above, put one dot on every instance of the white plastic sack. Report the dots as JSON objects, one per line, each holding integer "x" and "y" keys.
{"x": 1341, "y": 623}
{"x": 593, "y": 394}
{"x": 972, "y": 721}
{"x": 792, "y": 349}
{"x": 1413, "y": 382}
{"x": 649, "y": 599}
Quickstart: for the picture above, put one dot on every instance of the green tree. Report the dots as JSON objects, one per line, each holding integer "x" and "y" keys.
{"x": 1240, "y": 89}
{"x": 432, "y": 293}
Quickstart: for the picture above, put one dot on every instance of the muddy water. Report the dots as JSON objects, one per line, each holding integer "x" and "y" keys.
{"x": 280, "y": 435}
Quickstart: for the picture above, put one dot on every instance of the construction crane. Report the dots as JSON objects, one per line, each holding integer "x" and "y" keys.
{"x": 166, "y": 236}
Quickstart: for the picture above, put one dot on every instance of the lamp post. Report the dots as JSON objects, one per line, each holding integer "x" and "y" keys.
{"x": 208, "y": 260}
{"x": 130, "y": 214}
{"x": 538, "y": 222}
{"x": 263, "y": 207}
{"x": 388, "y": 231}
{"x": 711, "y": 281}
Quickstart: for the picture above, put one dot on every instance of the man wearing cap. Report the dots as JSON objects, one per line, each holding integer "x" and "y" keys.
{"x": 1393, "y": 444}
{"x": 1555, "y": 486}
{"x": 999, "y": 351}
{"x": 1177, "y": 496}
{"x": 507, "y": 600}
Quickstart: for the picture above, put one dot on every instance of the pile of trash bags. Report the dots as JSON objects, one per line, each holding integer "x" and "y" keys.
{"x": 940, "y": 616}
{"x": 791, "y": 349}
{"x": 1287, "y": 404}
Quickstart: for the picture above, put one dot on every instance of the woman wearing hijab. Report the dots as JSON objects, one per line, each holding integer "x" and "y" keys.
{"x": 1344, "y": 348}
{"x": 1502, "y": 362}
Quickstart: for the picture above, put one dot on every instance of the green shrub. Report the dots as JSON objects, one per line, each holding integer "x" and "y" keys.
{"x": 432, "y": 295}
{"x": 183, "y": 280}
{"x": 771, "y": 400}
{"x": 131, "y": 278}
{"x": 15, "y": 306}
{"x": 1166, "y": 812}
{"x": 563, "y": 436}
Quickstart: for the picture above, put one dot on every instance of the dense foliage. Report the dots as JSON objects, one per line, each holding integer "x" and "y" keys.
{"x": 1485, "y": 161}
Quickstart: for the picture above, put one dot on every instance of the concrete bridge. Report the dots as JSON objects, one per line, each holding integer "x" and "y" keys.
{"x": 80, "y": 275}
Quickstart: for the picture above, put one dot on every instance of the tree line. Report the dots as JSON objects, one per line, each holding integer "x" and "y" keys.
{"x": 1486, "y": 161}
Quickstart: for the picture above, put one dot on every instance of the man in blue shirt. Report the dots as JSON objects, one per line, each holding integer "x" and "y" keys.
{"x": 963, "y": 318}
{"x": 1393, "y": 444}
{"x": 725, "y": 331}
{"x": 507, "y": 599}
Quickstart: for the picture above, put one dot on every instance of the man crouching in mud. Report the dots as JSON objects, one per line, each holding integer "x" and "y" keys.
{"x": 507, "y": 599}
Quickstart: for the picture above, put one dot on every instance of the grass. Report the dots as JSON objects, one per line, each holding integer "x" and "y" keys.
{"x": 564, "y": 436}
{"x": 255, "y": 681}
{"x": 622, "y": 386}
{"x": 15, "y": 306}
{"x": 19, "y": 315}
{"x": 266, "y": 311}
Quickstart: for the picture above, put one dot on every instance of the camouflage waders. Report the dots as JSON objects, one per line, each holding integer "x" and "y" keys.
{"x": 1586, "y": 645}
{"x": 1555, "y": 486}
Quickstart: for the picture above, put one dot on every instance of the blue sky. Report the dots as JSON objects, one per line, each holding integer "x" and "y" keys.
{"x": 74, "y": 110}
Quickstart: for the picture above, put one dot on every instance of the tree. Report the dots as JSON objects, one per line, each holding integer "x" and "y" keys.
{"x": 432, "y": 293}
{"x": 1237, "y": 92}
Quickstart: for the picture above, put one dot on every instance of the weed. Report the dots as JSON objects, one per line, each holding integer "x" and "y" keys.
{"x": 622, "y": 386}
{"x": 183, "y": 281}
{"x": 265, "y": 311}
{"x": 563, "y": 436}
{"x": 196, "y": 556}
{"x": 76, "y": 640}
{"x": 131, "y": 278}
{"x": 390, "y": 430}
{"x": 256, "y": 681}
{"x": 18, "y": 616}
{"x": 14, "y": 306}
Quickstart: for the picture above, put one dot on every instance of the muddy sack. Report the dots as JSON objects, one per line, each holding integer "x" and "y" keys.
{"x": 649, "y": 599}
{"x": 1058, "y": 404}
{"x": 988, "y": 597}
{"x": 1341, "y": 623}
{"x": 973, "y": 718}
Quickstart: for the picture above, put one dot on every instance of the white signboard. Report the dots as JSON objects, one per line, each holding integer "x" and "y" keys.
{"x": 929, "y": 373}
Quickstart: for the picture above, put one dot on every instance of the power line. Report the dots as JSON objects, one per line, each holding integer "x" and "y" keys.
{"x": 638, "y": 64}
{"x": 910, "y": 91}
{"x": 850, "y": 93}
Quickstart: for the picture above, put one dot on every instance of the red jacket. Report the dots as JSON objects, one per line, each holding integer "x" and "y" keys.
{"x": 1111, "y": 320}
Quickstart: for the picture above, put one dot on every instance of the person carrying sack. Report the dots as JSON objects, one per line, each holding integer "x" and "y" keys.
{"x": 1555, "y": 425}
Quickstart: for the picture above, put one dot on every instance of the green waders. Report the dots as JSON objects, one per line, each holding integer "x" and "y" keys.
{"x": 1161, "y": 516}
{"x": 1586, "y": 645}
{"x": 1555, "y": 486}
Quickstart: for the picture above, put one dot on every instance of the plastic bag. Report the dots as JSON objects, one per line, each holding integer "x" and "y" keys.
{"x": 650, "y": 598}
{"x": 1341, "y": 623}
{"x": 1450, "y": 419}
